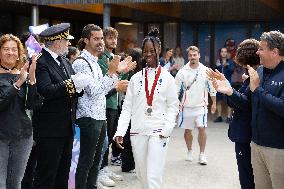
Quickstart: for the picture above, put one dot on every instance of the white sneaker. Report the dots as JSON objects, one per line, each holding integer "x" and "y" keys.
{"x": 101, "y": 186}
{"x": 112, "y": 175}
{"x": 115, "y": 161}
{"x": 189, "y": 156}
{"x": 202, "y": 159}
{"x": 105, "y": 180}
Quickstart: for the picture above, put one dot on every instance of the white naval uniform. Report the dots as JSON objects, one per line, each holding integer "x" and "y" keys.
{"x": 149, "y": 149}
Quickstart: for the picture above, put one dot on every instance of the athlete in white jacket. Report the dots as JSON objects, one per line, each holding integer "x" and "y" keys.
{"x": 152, "y": 111}
{"x": 196, "y": 86}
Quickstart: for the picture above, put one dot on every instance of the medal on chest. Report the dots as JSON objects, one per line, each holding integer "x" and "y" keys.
{"x": 148, "y": 110}
{"x": 149, "y": 96}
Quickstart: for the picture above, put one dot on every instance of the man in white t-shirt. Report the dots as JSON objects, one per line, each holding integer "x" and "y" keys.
{"x": 192, "y": 79}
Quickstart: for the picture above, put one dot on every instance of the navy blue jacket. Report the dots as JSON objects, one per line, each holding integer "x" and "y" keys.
{"x": 240, "y": 126}
{"x": 267, "y": 102}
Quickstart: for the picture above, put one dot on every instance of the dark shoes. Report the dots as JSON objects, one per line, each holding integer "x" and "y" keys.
{"x": 228, "y": 120}
{"x": 129, "y": 171}
{"x": 218, "y": 120}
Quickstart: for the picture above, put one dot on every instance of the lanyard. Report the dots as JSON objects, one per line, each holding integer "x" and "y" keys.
{"x": 150, "y": 96}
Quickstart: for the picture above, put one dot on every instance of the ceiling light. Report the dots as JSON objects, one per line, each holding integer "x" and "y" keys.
{"x": 125, "y": 23}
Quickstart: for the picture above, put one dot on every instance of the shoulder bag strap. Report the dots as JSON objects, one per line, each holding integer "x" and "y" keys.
{"x": 80, "y": 57}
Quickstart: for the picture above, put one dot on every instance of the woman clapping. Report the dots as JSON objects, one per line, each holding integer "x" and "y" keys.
{"x": 16, "y": 95}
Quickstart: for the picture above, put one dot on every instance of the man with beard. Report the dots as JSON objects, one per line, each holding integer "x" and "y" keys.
{"x": 91, "y": 112}
{"x": 110, "y": 39}
{"x": 54, "y": 122}
{"x": 193, "y": 81}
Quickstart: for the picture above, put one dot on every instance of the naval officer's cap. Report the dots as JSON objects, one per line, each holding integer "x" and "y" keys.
{"x": 57, "y": 32}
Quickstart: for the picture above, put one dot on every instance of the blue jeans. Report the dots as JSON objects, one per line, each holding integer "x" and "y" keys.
{"x": 13, "y": 160}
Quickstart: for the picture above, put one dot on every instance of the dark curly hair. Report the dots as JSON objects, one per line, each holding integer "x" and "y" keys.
{"x": 246, "y": 53}
{"x": 87, "y": 33}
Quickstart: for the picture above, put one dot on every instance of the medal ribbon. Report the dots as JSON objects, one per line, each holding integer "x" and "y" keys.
{"x": 150, "y": 96}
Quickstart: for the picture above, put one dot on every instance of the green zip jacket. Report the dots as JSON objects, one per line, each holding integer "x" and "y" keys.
{"x": 112, "y": 101}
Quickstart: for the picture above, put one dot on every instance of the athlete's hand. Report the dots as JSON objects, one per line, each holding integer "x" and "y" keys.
{"x": 119, "y": 142}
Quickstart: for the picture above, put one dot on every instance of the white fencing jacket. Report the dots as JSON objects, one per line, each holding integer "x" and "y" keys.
{"x": 165, "y": 105}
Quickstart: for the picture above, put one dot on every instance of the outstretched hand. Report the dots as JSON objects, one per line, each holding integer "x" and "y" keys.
{"x": 113, "y": 64}
{"x": 223, "y": 86}
{"x": 215, "y": 75}
{"x": 219, "y": 81}
{"x": 126, "y": 65}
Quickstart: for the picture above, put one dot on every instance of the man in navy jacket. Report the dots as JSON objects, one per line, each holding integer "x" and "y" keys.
{"x": 267, "y": 106}
{"x": 267, "y": 100}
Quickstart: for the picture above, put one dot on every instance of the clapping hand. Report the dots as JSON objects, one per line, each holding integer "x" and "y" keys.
{"x": 219, "y": 81}
{"x": 215, "y": 75}
{"x": 24, "y": 72}
{"x": 245, "y": 77}
{"x": 32, "y": 69}
{"x": 254, "y": 78}
{"x": 126, "y": 65}
{"x": 23, "y": 75}
{"x": 113, "y": 65}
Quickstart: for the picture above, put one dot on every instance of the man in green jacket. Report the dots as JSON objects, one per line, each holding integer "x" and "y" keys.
{"x": 110, "y": 38}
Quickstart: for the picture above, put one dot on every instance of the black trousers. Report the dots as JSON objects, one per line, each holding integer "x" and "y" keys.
{"x": 53, "y": 162}
{"x": 127, "y": 158}
{"x": 112, "y": 118}
{"x": 243, "y": 155}
{"x": 92, "y": 135}
{"x": 27, "y": 182}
